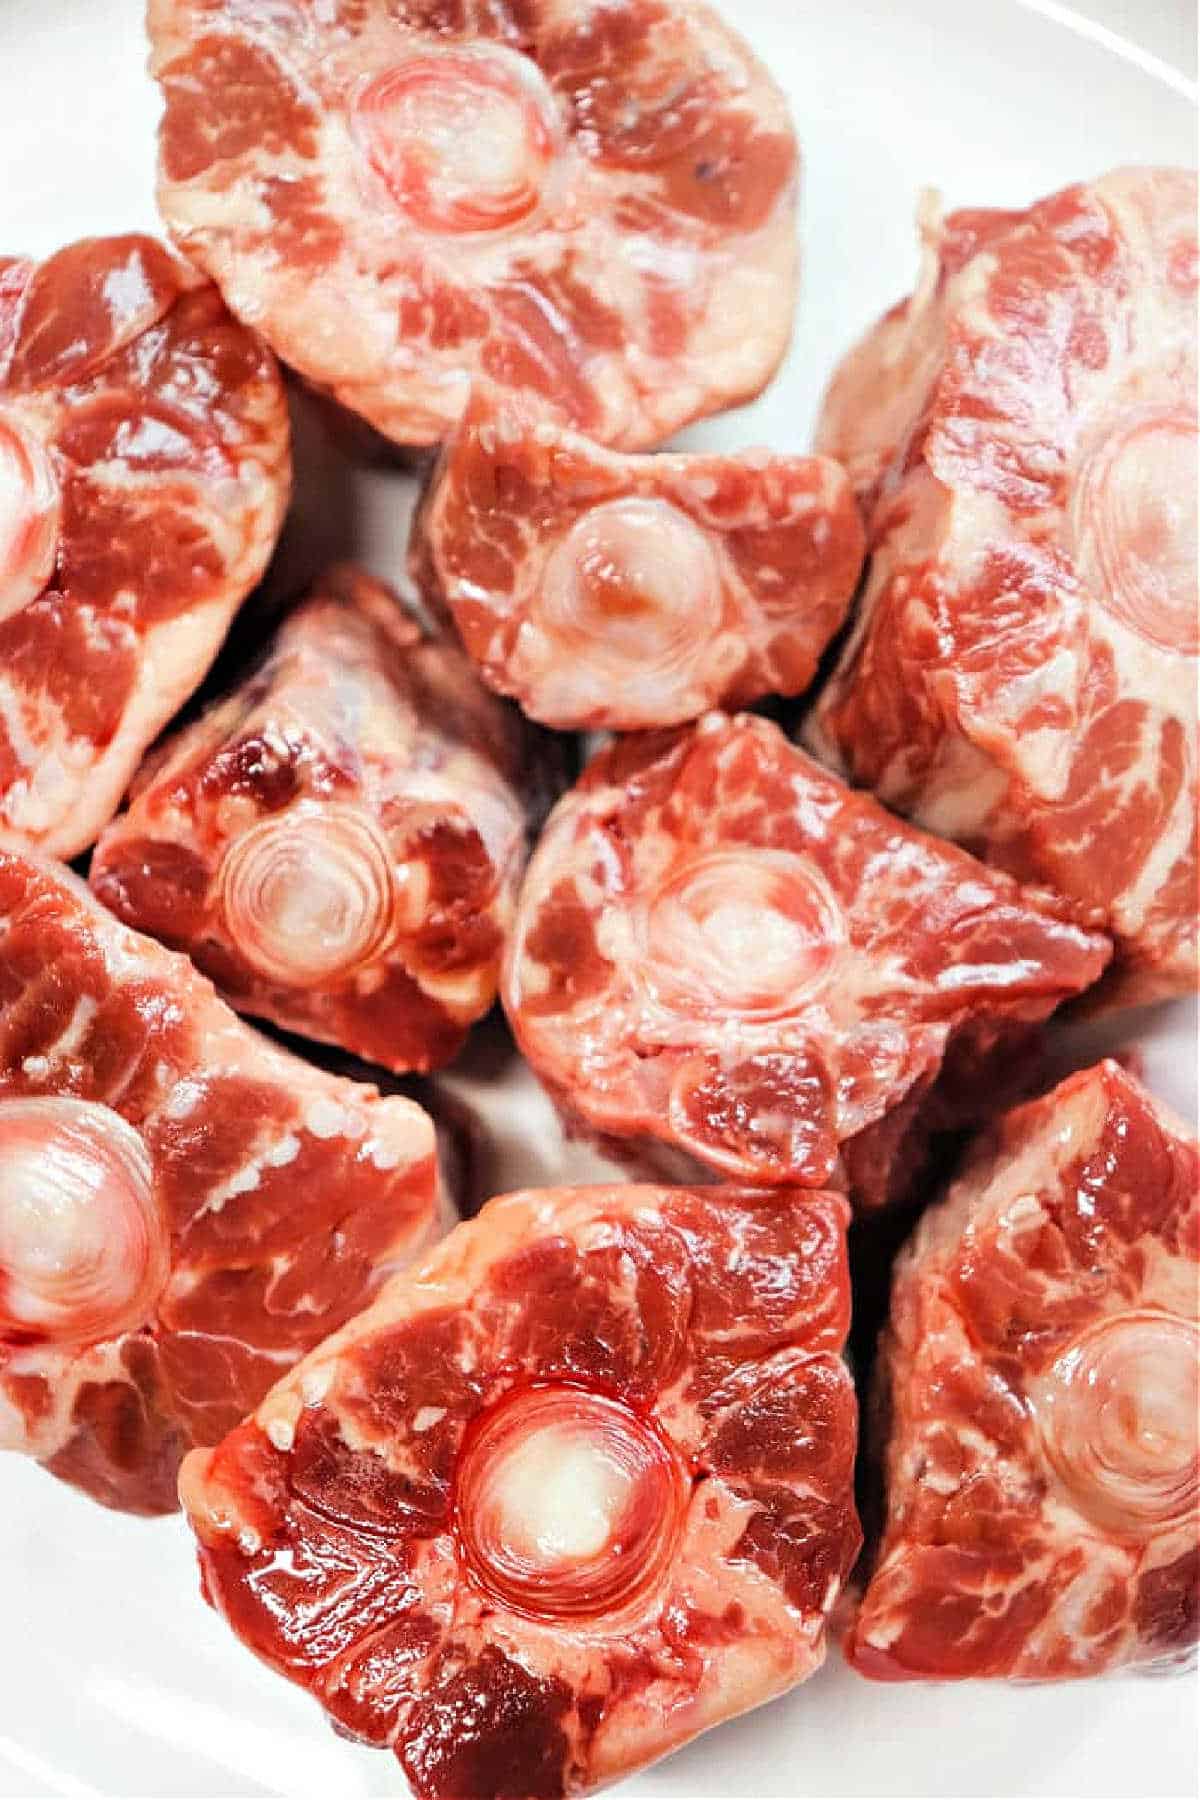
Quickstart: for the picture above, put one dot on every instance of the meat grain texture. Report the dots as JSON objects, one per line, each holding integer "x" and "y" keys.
{"x": 185, "y": 1210}
{"x": 1023, "y": 674}
{"x": 338, "y": 842}
{"x": 617, "y": 592}
{"x": 144, "y": 471}
{"x": 724, "y": 958}
{"x": 1040, "y": 1404}
{"x": 576, "y": 1488}
{"x": 592, "y": 206}
{"x": 577, "y": 1483}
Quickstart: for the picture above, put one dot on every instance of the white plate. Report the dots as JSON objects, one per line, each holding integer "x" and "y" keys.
{"x": 114, "y": 1678}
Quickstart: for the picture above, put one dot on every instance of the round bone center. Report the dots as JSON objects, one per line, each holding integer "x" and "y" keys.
{"x": 82, "y": 1247}
{"x": 751, "y": 932}
{"x": 310, "y": 895}
{"x": 634, "y": 581}
{"x": 567, "y": 1501}
{"x": 1120, "y": 1412}
{"x": 1137, "y": 528}
{"x": 462, "y": 139}
{"x": 560, "y": 1494}
{"x": 29, "y": 517}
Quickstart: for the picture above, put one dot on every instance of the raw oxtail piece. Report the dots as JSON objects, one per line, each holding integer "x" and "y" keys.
{"x": 1039, "y": 1377}
{"x": 1023, "y": 675}
{"x": 609, "y": 591}
{"x": 577, "y": 1488}
{"x": 723, "y": 952}
{"x": 185, "y": 1210}
{"x": 338, "y": 843}
{"x": 144, "y": 471}
{"x": 591, "y": 205}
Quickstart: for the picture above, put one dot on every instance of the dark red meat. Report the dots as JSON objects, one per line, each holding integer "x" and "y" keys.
{"x": 577, "y": 1488}
{"x": 591, "y": 205}
{"x": 338, "y": 843}
{"x": 1023, "y": 677}
{"x": 1040, "y": 1374}
{"x": 184, "y": 1209}
{"x": 722, "y": 951}
{"x": 144, "y": 471}
{"x": 608, "y": 591}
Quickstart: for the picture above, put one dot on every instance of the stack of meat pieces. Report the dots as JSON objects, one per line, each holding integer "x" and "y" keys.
{"x": 534, "y": 1502}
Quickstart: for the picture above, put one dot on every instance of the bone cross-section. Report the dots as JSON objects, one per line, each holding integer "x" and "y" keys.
{"x": 607, "y": 591}
{"x": 593, "y": 206}
{"x": 723, "y": 957}
{"x": 578, "y": 1489}
{"x": 185, "y": 1210}
{"x": 1023, "y": 674}
{"x": 338, "y": 842}
{"x": 1039, "y": 1388}
{"x": 144, "y": 470}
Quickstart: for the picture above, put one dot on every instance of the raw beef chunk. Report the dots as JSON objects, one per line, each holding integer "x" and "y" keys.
{"x": 614, "y": 591}
{"x": 721, "y": 950}
{"x": 184, "y": 1209}
{"x": 144, "y": 472}
{"x": 1023, "y": 677}
{"x": 338, "y": 843}
{"x": 1040, "y": 1371}
{"x": 576, "y": 1489}
{"x": 591, "y": 205}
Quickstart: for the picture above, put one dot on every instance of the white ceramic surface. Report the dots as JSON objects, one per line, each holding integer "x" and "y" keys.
{"x": 114, "y": 1678}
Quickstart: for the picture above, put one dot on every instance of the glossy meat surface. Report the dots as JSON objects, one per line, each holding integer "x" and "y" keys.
{"x": 590, "y": 205}
{"x": 338, "y": 843}
{"x": 1040, "y": 1379}
{"x": 576, "y": 1488}
{"x": 144, "y": 470}
{"x": 616, "y": 592}
{"x": 722, "y": 951}
{"x": 184, "y": 1209}
{"x": 1023, "y": 676}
